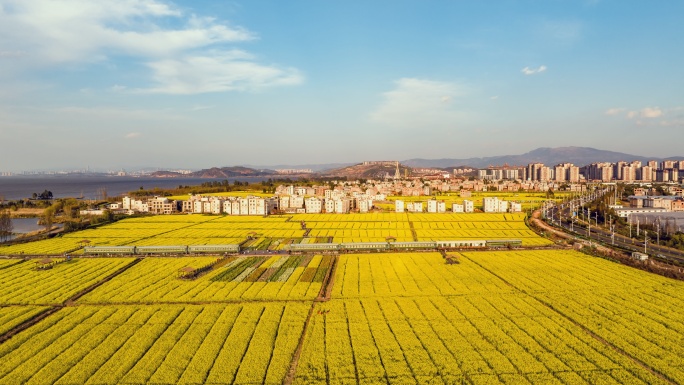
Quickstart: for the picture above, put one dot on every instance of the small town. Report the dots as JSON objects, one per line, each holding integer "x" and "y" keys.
{"x": 343, "y": 197}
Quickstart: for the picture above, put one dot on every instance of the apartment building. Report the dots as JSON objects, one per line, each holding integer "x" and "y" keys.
{"x": 399, "y": 206}
{"x": 313, "y": 205}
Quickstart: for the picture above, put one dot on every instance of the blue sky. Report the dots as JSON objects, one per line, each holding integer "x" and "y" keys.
{"x": 193, "y": 84}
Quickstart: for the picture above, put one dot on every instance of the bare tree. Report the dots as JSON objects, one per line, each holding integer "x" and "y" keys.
{"x": 6, "y": 225}
{"x": 48, "y": 218}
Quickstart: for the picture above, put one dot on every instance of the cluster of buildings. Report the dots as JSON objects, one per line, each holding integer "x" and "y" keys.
{"x": 636, "y": 171}
{"x": 646, "y": 201}
{"x": 287, "y": 199}
{"x": 564, "y": 172}
{"x": 489, "y": 205}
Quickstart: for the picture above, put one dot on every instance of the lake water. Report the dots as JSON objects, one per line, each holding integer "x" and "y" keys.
{"x": 21, "y": 187}
{"x": 25, "y": 225}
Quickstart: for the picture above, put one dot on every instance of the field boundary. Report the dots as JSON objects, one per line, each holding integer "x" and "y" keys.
{"x": 292, "y": 371}
{"x": 75, "y": 297}
{"x": 28, "y": 323}
{"x": 323, "y": 296}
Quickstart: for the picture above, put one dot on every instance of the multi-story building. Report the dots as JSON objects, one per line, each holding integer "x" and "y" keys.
{"x": 159, "y": 205}
{"x": 566, "y": 172}
{"x": 457, "y": 208}
{"x": 399, "y": 206}
{"x": 342, "y": 206}
{"x": 313, "y": 205}
{"x": 329, "y": 205}
{"x": 539, "y": 172}
{"x": 490, "y": 204}
{"x": 296, "y": 201}
{"x": 468, "y": 206}
{"x": 414, "y": 207}
{"x": 435, "y": 206}
{"x": 598, "y": 171}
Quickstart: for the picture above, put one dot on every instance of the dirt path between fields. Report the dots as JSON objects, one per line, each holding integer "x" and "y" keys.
{"x": 323, "y": 296}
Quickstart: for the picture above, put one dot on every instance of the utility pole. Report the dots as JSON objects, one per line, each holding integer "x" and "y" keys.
{"x": 589, "y": 226}
{"x": 645, "y": 241}
{"x": 572, "y": 217}
{"x": 637, "y": 226}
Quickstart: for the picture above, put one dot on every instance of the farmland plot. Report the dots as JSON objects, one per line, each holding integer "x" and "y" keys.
{"x": 163, "y": 344}
{"x": 23, "y": 284}
{"x": 496, "y": 317}
{"x": 243, "y": 278}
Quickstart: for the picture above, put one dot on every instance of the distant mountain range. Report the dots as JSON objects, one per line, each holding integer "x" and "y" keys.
{"x": 580, "y": 156}
{"x": 216, "y": 173}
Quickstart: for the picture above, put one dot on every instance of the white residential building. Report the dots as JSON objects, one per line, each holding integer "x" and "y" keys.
{"x": 468, "y": 206}
{"x": 457, "y": 208}
{"x": 414, "y": 207}
{"x": 490, "y": 204}
{"x": 503, "y": 206}
{"x": 235, "y": 207}
{"x": 364, "y": 204}
{"x": 197, "y": 207}
{"x": 244, "y": 206}
{"x": 342, "y": 206}
{"x": 313, "y": 205}
{"x": 329, "y": 205}
{"x": 216, "y": 206}
{"x": 398, "y": 206}
{"x": 296, "y": 201}
{"x": 228, "y": 207}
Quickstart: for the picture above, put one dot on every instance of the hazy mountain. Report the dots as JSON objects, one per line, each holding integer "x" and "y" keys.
{"x": 313, "y": 167}
{"x": 580, "y": 156}
{"x": 216, "y": 173}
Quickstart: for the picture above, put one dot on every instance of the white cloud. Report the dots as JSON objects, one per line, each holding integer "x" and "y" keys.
{"x": 651, "y": 112}
{"x": 615, "y": 111}
{"x": 219, "y": 72}
{"x": 132, "y": 135}
{"x": 174, "y": 45}
{"x": 201, "y": 108}
{"x": 532, "y": 71}
{"x": 651, "y": 116}
{"x": 646, "y": 112}
{"x": 418, "y": 103}
{"x": 116, "y": 114}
